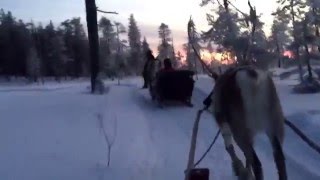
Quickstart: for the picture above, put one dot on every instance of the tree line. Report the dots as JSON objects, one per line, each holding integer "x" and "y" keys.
{"x": 61, "y": 50}
{"x": 34, "y": 50}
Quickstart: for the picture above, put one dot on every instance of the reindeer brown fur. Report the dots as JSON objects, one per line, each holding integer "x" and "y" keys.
{"x": 245, "y": 103}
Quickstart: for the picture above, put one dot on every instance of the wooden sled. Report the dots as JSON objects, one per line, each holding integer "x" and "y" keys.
{"x": 174, "y": 86}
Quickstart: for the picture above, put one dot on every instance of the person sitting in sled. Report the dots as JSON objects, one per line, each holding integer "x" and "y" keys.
{"x": 167, "y": 66}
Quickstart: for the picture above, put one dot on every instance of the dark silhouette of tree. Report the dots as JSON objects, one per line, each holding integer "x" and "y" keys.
{"x": 91, "y": 10}
{"x": 134, "y": 38}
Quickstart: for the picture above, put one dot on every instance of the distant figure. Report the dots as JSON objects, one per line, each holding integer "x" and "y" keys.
{"x": 146, "y": 69}
{"x": 167, "y": 66}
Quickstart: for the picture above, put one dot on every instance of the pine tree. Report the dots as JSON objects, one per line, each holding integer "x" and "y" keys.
{"x": 225, "y": 31}
{"x": 55, "y": 52}
{"x": 145, "y": 45}
{"x": 294, "y": 8}
{"x": 76, "y": 42}
{"x": 27, "y": 50}
{"x": 33, "y": 61}
{"x": 134, "y": 37}
{"x": 165, "y": 48}
{"x": 14, "y": 45}
{"x": 279, "y": 39}
{"x": 194, "y": 42}
{"x": 106, "y": 41}
{"x": 315, "y": 16}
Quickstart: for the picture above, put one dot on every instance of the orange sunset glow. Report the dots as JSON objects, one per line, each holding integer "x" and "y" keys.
{"x": 224, "y": 57}
{"x": 289, "y": 54}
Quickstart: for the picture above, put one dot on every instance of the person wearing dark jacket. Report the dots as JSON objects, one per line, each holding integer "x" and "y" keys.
{"x": 145, "y": 72}
{"x": 167, "y": 66}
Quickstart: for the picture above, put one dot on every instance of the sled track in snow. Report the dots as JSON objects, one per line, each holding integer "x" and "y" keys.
{"x": 176, "y": 122}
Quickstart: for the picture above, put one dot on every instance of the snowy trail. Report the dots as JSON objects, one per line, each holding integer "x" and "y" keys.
{"x": 172, "y": 129}
{"x": 56, "y": 135}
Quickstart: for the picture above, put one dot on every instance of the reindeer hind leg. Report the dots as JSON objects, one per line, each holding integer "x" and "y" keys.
{"x": 257, "y": 169}
{"x": 279, "y": 158}
{"x": 244, "y": 141}
{"x": 237, "y": 165}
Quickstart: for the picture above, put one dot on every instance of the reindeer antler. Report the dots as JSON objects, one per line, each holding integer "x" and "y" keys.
{"x": 253, "y": 18}
{"x": 191, "y": 31}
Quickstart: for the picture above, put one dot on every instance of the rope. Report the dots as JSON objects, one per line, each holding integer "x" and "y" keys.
{"x": 307, "y": 140}
{"x": 204, "y": 155}
{"x": 191, "y": 164}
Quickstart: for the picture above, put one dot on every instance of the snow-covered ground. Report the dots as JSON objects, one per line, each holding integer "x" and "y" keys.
{"x": 52, "y": 132}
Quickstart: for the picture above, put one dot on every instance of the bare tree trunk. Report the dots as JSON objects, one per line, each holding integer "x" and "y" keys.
{"x": 295, "y": 40}
{"x": 308, "y": 62}
{"x": 91, "y": 11}
{"x": 278, "y": 52}
{"x": 316, "y": 27}
{"x": 299, "y": 62}
{"x": 317, "y": 34}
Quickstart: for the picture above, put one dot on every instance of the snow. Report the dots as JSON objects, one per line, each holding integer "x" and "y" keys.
{"x": 52, "y": 131}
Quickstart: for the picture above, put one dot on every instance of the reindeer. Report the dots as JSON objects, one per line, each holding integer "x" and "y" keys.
{"x": 244, "y": 103}
{"x": 153, "y": 69}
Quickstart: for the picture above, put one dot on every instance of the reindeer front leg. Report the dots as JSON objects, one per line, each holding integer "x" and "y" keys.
{"x": 237, "y": 165}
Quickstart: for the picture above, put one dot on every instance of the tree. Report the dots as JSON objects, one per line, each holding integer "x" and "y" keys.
{"x": 6, "y": 47}
{"x": 91, "y": 12}
{"x": 279, "y": 39}
{"x": 145, "y": 45}
{"x": 134, "y": 38}
{"x": 76, "y": 45}
{"x": 53, "y": 51}
{"x": 107, "y": 29}
{"x": 173, "y": 57}
{"x": 108, "y": 38}
{"x": 30, "y": 50}
{"x": 164, "y": 33}
{"x": 222, "y": 30}
{"x": 165, "y": 49}
{"x": 194, "y": 41}
{"x": 307, "y": 39}
{"x": 120, "y": 43}
{"x": 315, "y": 13}
{"x": 79, "y": 47}
{"x": 33, "y": 61}
{"x": 225, "y": 30}
{"x": 15, "y": 40}
{"x": 294, "y": 8}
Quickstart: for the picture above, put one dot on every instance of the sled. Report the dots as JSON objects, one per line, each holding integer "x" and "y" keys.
{"x": 174, "y": 86}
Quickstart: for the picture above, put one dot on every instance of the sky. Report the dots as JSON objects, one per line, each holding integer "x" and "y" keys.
{"x": 149, "y": 14}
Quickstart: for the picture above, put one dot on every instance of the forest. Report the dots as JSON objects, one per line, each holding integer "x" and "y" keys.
{"x": 61, "y": 49}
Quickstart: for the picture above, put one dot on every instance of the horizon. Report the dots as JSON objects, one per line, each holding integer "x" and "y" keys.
{"x": 148, "y": 19}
